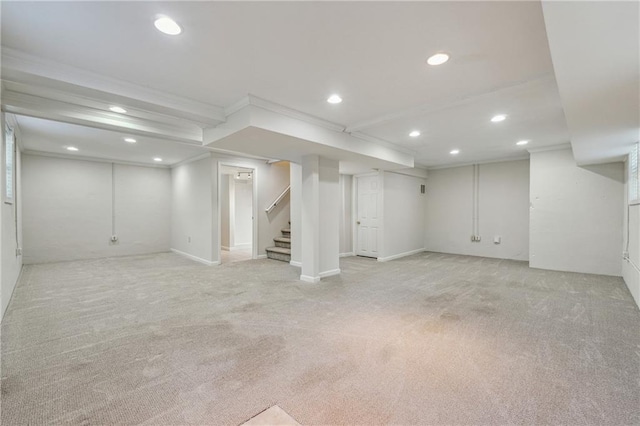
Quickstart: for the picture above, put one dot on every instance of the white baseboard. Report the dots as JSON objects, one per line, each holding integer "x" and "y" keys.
{"x": 196, "y": 258}
{"x": 308, "y": 279}
{"x": 240, "y": 246}
{"x": 347, "y": 254}
{"x": 398, "y": 256}
{"x": 261, "y": 256}
{"x": 330, "y": 273}
{"x": 295, "y": 263}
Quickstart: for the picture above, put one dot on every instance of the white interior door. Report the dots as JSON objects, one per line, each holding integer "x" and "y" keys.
{"x": 367, "y": 222}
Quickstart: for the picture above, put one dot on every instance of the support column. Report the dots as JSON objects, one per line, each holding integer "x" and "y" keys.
{"x": 320, "y": 218}
{"x": 295, "y": 197}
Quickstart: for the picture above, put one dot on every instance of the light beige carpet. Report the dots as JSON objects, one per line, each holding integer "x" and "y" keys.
{"x": 428, "y": 339}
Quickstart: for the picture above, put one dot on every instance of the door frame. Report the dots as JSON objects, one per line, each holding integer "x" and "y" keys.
{"x": 354, "y": 210}
{"x": 254, "y": 207}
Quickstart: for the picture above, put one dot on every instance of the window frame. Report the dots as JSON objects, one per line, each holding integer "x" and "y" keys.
{"x": 633, "y": 177}
{"x": 9, "y": 171}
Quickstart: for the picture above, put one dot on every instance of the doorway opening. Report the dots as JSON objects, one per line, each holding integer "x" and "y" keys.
{"x": 237, "y": 212}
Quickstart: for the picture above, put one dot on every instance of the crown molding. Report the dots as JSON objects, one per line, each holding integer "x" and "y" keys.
{"x": 252, "y": 100}
{"x": 23, "y": 63}
{"x": 383, "y": 142}
{"x": 560, "y": 147}
{"x": 429, "y": 108}
{"x": 93, "y": 159}
{"x": 472, "y": 163}
{"x": 34, "y": 106}
{"x": 192, "y": 159}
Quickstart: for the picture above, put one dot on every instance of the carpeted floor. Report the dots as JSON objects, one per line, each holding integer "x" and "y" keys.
{"x": 428, "y": 339}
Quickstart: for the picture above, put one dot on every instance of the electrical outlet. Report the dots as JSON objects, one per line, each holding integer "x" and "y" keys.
{"x": 18, "y": 251}
{"x": 473, "y": 238}
{"x": 477, "y": 237}
{"x": 114, "y": 238}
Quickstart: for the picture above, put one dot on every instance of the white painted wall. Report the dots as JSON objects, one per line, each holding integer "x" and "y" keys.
{"x": 403, "y": 216}
{"x": 503, "y": 210}
{"x": 192, "y": 209}
{"x": 330, "y": 206}
{"x": 631, "y": 240}
{"x": 576, "y": 218}
{"x": 68, "y": 209}
{"x": 296, "y": 213}
{"x": 346, "y": 214}
{"x": 243, "y": 214}
{"x": 11, "y": 229}
{"x": 225, "y": 211}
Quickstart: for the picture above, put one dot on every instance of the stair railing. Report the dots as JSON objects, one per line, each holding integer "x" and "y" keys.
{"x": 277, "y": 200}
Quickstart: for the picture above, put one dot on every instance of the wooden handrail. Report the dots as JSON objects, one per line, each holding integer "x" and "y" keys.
{"x": 277, "y": 200}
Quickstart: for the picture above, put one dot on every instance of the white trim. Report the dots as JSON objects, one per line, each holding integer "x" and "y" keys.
{"x": 29, "y": 64}
{"x": 241, "y": 246}
{"x": 398, "y": 256}
{"x": 384, "y": 143}
{"x": 566, "y": 145}
{"x": 308, "y": 279}
{"x": 330, "y": 273}
{"x": 473, "y": 163}
{"x": 293, "y": 113}
{"x": 192, "y": 159}
{"x": 196, "y": 258}
{"x": 171, "y": 128}
{"x": 93, "y": 159}
{"x": 431, "y": 107}
{"x": 416, "y": 172}
{"x": 233, "y": 108}
{"x": 295, "y": 263}
{"x": 347, "y": 254}
{"x": 261, "y": 256}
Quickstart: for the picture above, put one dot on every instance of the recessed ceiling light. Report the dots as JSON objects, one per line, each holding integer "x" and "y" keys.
{"x": 72, "y": 148}
{"x": 522, "y": 142}
{"x": 334, "y": 99}
{"x": 158, "y": 159}
{"x": 414, "y": 134}
{"x": 498, "y": 118}
{"x": 130, "y": 140}
{"x": 118, "y": 109}
{"x": 454, "y": 152}
{"x": 438, "y": 59}
{"x": 167, "y": 25}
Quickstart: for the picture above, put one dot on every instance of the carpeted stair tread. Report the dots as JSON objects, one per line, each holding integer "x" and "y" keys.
{"x": 282, "y": 239}
{"x": 279, "y": 250}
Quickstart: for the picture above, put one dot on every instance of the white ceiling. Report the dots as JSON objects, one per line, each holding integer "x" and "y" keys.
{"x": 53, "y": 137}
{"x": 598, "y": 74}
{"x": 297, "y": 53}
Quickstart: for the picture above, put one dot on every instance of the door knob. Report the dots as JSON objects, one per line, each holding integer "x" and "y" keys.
{"x": 358, "y": 222}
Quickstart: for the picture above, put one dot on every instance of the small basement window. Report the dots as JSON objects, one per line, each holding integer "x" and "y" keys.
{"x": 8, "y": 163}
{"x": 634, "y": 178}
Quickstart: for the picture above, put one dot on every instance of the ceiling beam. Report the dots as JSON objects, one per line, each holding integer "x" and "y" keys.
{"x": 430, "y": 107}
{"x": 34, "y": 106}
{"x": 31, "y": 70}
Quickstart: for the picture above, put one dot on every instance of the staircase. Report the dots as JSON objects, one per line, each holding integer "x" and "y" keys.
{"x": 282, "y": 250}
